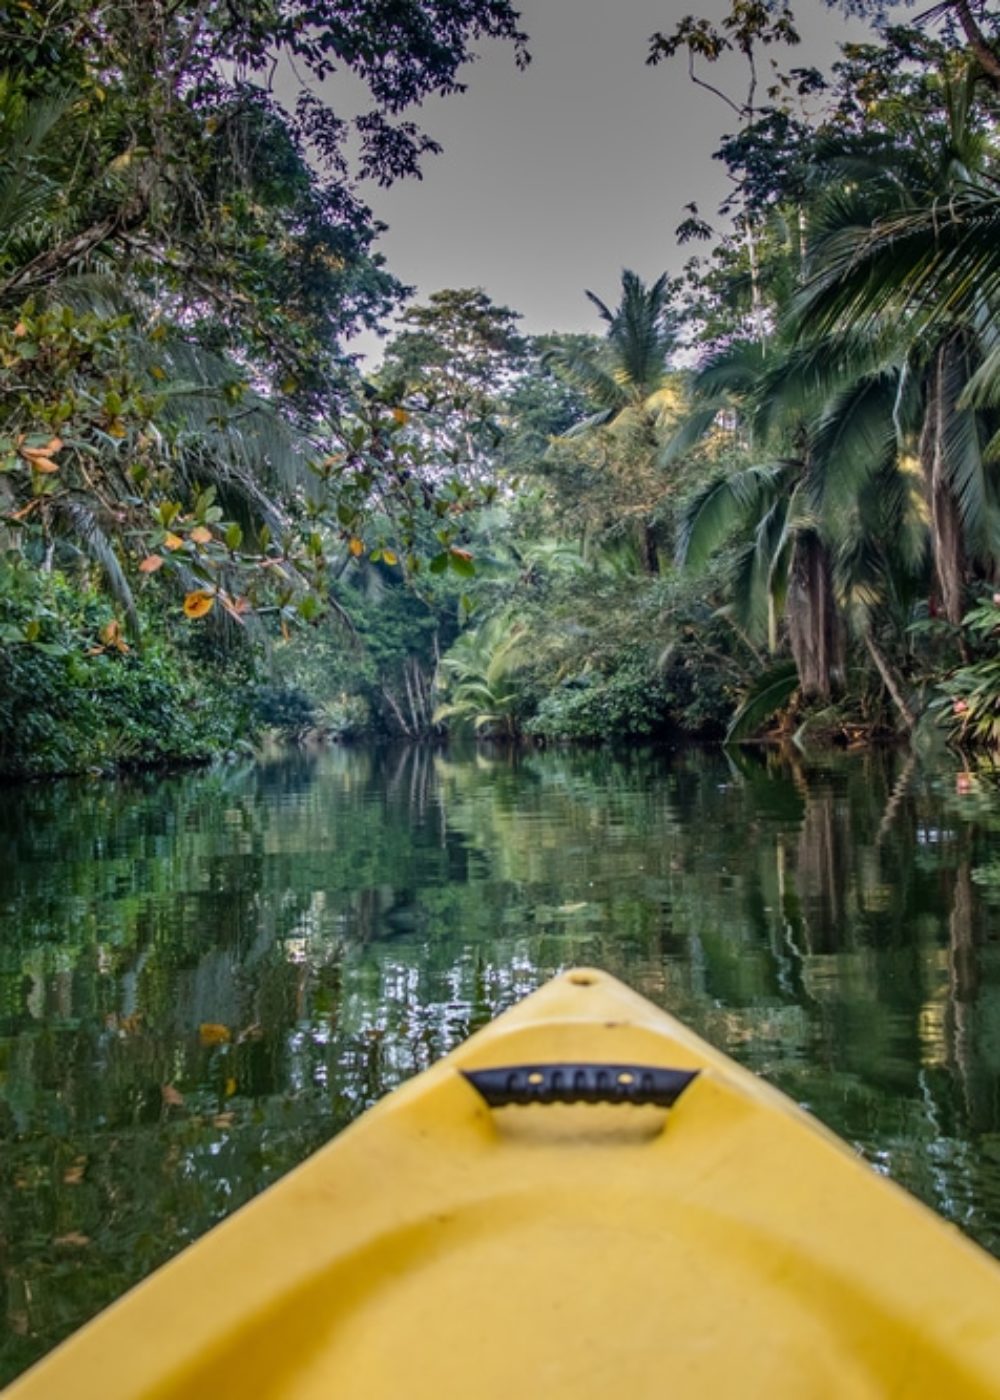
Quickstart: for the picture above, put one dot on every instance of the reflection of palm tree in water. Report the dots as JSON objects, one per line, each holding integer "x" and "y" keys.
{"x": 822, "y": 866}
{"x": 963, "y": 993}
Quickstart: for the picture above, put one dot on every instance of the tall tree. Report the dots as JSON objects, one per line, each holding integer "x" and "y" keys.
{"x": 628, "y": 380}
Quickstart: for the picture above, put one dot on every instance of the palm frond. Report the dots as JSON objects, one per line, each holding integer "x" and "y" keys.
{"x": 720, "y": 509}
{"x": 769, "y": 693}
{"x": 83, "y": 529}
{"x": 853, "y": 440}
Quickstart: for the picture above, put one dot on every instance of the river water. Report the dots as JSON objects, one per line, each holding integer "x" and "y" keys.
{"x": 203, "y": 977}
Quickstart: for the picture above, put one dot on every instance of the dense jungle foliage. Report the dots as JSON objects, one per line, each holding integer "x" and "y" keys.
{"x": 766, "y": 496}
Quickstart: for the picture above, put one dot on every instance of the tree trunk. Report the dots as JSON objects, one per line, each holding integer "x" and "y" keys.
{"x": 988, "y": 59}
{"x": 947, "y": 545}
{"x": 648, "y": 552}
{"x": 891, "y": 680}
{"x": 814, "y": 627}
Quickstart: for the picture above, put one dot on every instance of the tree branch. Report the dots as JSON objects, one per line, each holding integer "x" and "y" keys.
{"x": 988, "y": 59}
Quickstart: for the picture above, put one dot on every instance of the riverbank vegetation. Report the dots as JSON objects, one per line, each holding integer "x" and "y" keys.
{"x": 765, "y": 497}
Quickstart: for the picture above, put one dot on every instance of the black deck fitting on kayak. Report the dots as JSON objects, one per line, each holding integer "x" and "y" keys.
{"x": 578, "y": 1083}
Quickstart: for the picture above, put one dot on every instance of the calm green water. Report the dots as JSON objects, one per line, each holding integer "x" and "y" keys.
{"x": 204, "y": 977}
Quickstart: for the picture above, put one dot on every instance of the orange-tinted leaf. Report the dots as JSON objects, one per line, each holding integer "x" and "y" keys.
{"x": 73, "y": 1175}
{"x": 223, "y": 1120}
{"x": 48, "y": 450}
{"x": 198, "y": 603}
{"x": 389, "y": 556}
{"x": 209, "y": 1033}
{"x": 172, "y": 1097}
{"x": 151, "y": 563}
{"x": 43, "y": 464}
{"x": 20, "y": 330}
{"x": 401, "y": 416}
{"x": 201, "y": 535}
{"x": 74, "y": 1239}
{"x": 173, "y": 542}
{"x": 111, "y": 633}
{"x": 24, "y": 512}
{"x": 356, "y": 545}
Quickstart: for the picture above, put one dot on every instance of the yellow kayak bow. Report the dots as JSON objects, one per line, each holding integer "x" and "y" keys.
{"x": 583, "y": 1200}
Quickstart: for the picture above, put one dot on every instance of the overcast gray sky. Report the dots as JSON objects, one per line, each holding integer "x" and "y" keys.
{"x": 554, "y": 179}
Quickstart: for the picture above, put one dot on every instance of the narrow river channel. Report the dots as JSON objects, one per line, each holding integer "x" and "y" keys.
{"x": 202, "y": 977}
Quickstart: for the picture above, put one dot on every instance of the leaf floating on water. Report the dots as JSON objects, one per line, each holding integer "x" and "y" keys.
{"x": 74, "y": 1240}
{"x": 172, "y": 1097}
{"x": 209, "y": 1033}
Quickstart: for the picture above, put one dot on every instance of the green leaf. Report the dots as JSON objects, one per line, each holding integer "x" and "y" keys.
{"x": 768, "y": 694}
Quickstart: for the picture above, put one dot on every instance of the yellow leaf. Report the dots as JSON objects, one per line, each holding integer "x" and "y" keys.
{"x": 173, "y": 542}
{"x": 111, "y": 633}
{"x": 116, "y": 428}
{"x": 198, "y": 603}
{"x": 201, "y": 535}
{"x": 389, "y": 556}
{"x": 230, "y": 1089}
{"x": 158, "y": 372}
{"x": 211, "y": 1034}
{"x": 356, "y": 545}
{"x": 401, "y": 416}
{"x": 151, "y": 563}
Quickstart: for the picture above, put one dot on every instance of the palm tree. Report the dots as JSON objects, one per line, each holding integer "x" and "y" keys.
{"x": 477, "y": 676}
{"x": 627, "y": 379}
{"x": 912, "y": 246}
{"x": 829, "y": 531}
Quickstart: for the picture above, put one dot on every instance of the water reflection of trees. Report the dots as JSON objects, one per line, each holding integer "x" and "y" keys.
{"x": 201, "y": 978}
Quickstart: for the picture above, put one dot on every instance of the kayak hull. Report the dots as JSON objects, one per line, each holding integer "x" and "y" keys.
{"x": 440, "y": 1246}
